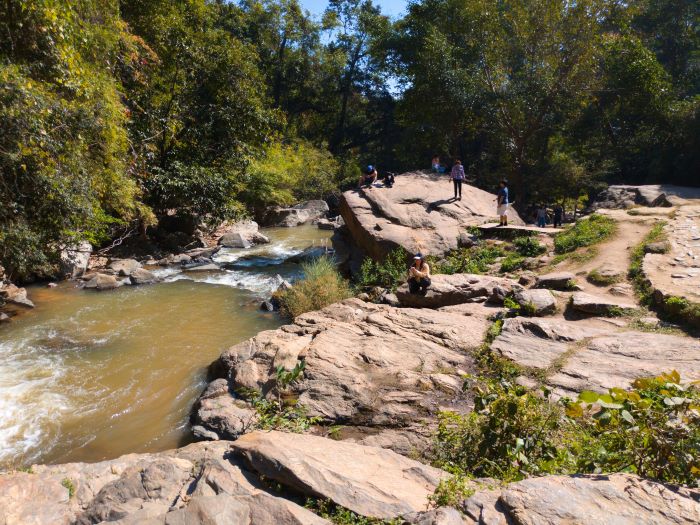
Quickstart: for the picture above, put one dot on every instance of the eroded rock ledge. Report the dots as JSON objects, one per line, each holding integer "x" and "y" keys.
{"x": 224, "y": 483}
{"x": 381, "y": 369}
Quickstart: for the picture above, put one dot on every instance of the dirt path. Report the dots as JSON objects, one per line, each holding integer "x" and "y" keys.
{"x": 615, "y": 253}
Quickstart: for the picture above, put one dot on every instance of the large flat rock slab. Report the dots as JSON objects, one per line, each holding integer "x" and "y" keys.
{"x": 459, "y": 288}
{"x": 370, "y": 481}
{"x": 591, "y": 354}
{"x": 196, "y": 484}
{"x": 677, "y": 272}
{"x": 616, "y": 360}
{"x": 619, "y": 499}
{"x": 367, "y": 365}
{"x": 417, "y": 214}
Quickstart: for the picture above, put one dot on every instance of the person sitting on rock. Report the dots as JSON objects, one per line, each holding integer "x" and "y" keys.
{"x": 435, "y": 163}
{"x": 502, "y": 203}
{"x": 369, "y": 177}
{"x": 418, "y": 275}
{"x": 389, "y": 178}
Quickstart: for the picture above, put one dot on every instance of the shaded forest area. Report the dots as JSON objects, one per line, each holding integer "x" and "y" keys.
{"x": 116, "y": 114}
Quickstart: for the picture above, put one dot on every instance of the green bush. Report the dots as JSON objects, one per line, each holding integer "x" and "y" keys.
{"x": 389, "y": 273}
{"x": 468, "y": 260}
{"x": 321, "y": 285}
{"x": 585, "y": 232}
{"x": 652, "y": 430}
{"x": 513, "y": 261}
{"x": 289, "y": 173}
{"x": 510, "y": 434}
{"x": 529, "y": 246}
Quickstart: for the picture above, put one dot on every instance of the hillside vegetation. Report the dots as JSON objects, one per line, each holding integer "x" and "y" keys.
{"x": 117, "y": 113}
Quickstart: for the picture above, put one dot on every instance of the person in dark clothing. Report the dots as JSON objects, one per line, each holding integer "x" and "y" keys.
{"x": 558, "y": 216}
{"x": 368, "y": 178}
{"x": 502, "y": 203}
{"x": 389, "y": 179}
{"x": 457, "y": 176}
{"x": 419, "y": 275}
{"x": 542, "y": 216}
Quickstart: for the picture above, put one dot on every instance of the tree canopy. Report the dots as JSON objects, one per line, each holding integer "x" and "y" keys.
{"x": 117, "y": 113}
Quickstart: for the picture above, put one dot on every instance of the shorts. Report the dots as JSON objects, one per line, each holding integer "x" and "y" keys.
{"x": 502, "y": 210}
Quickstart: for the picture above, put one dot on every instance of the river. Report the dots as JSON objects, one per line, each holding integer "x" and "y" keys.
{"x": 88, "y": 376}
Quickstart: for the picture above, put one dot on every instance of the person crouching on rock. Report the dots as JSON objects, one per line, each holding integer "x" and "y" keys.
{"x": 369, "y": 177}
{"x": 418, "y": 275}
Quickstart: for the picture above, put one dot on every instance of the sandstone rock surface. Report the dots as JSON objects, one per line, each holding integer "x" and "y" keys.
{"x": 74, "y": 260}
{"x": 197, "y": 484}
{"x": 592, "y": 355}
{"x": 143, "y": 276}
{"x": 367, "y": 365}
{"x": 447, "y": 290}
{"x": 677, "y": 272}
{"x": 620, "y": 499}
{"x": 542, "y": 302}
{"x": 303, "y": 213}
{"x": 591, "y": 304}
{"x": 124, "y": 267}
{"x": 370, "y": 481}
{"x": 417, "y": 214}
{"x": 556, "y": 280}
{"x": 652, "y": 195}
{"x": 103, "y": 281}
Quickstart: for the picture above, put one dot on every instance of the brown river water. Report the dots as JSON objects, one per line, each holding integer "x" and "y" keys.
{"x": 88, "y": 376}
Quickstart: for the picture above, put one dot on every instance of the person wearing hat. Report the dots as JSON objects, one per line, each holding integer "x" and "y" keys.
{"x": 418, "y": 275}
{"x": 369, "y": 177}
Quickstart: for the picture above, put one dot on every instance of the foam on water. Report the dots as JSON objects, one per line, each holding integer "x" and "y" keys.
{"x": 92, "y": 375}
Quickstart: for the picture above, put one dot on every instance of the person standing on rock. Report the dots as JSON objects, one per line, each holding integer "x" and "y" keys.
{"x": 542, "y": 216}
{"x": 418, "y": 275}
{"x": 558, "y": 216}
{"x": 457, "y": 176}
{"x": 502, "y": 203}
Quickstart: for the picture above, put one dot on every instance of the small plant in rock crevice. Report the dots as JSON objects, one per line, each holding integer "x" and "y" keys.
{"x": 389, "y": 273}
{"x": 342, "y": 516}
{"x": 70, "y": 486}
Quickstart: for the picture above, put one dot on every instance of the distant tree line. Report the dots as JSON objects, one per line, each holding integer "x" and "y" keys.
{"x": 116, "y": 113}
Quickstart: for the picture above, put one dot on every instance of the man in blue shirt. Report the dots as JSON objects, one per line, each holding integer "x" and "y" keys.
{"x": 502, "y": 199}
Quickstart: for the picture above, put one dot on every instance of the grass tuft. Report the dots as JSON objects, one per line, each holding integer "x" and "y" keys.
{"x": 321, "y": 286}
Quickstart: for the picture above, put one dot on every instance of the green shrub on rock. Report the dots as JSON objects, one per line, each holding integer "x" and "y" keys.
{"x": 389, "y": 273}
{"x": 529, "y": 246}
{"x": 321, "y": 285}
{"x": 652, "y": 430}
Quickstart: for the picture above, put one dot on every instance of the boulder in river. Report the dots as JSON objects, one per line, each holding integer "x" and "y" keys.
{"x": 306, "y": 212}
{"x": 124, "y": 267}
{"x": 417, "y": 214}
{"x": 74, "y": 259}
{"x": 241, "y": 234}
{"x": 143, "y": 276}
{"x": 103, "y": 281}
{"x": 14, "y": 295}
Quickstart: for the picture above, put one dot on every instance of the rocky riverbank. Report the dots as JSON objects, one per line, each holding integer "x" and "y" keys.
{"x": 372, "y": 380}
